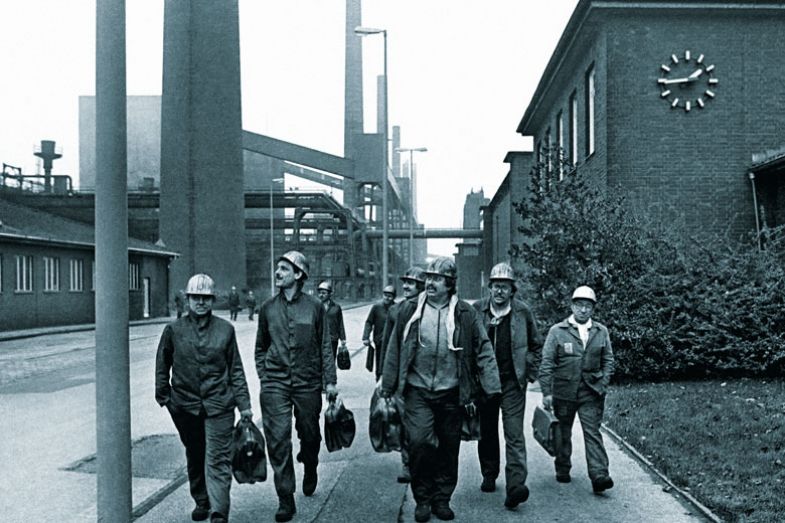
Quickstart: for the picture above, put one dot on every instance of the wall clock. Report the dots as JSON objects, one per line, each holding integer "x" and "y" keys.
{"x": 687, "y": 82}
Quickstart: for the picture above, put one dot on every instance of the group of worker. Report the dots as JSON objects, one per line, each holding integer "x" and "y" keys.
{"x": 444, "y": 359}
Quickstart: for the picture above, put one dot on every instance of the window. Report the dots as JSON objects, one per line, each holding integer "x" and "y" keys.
{"x": 92, "y": 276}
{"x": 51, "y": 274}
{"x": 590, "y": 92}
{"x": 539, "y": 169}
{"x": 560, "y": 145}
{"x": 133, "y": 276}
{"x": 24, "y": 273}
{"x": 77, "y": 276}
{"x": 573, "y": 129}
{"x": 548, "y": 159}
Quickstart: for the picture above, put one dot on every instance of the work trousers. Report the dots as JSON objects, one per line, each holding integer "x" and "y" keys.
{"x": 590, "y": 407}
{"x": 233, "y": 313}
{"x": 208, "y": 454}
{"x": 512, "y": 403}
{"x": 432, "y": 421}
{"x": 278, "y": 402}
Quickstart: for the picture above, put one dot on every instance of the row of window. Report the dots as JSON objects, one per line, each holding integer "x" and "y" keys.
{"x": 549, "y": 152}
{"x": 24, "y": 274}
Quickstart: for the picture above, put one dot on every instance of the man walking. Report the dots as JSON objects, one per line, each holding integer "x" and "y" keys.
{"x": 234, "y": 303}
{"x": 334, "y": 316}
{"x": 438, "y": 358}
{"x": 377, "y": 317}
{"x": 517, "y": 344}
{"x": 199, "y": 378}
{"x": 293, "y": 360}
{"x": 250, "y": 302}
{"x": 577, "y": 364}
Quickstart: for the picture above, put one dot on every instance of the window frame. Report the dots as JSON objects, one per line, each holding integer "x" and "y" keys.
{"x": 591, "y": 94}
{"x": 560, "y": 145}
{"x": 76, "y": 273}
{"x": 24, "y": 278}
{"x": 573, "y": 128}
{"x": 51, "y": 274}
{"x": 133, "y": 276}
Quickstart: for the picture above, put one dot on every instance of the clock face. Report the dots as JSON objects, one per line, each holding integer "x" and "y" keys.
{"x": 687, "y": 81}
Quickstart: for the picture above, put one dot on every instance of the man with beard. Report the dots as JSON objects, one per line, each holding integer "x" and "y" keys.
{"x": 438, "y": 358}
{"x": 199, "y": 378}
{"x": 377, "y": 317}
{"x": 577, "y": 364}
{"x": 517, "y": 343}
{"x": 413, "y": 283}
{"x": 334, "y": 316}
{"x": 293, "y": 360}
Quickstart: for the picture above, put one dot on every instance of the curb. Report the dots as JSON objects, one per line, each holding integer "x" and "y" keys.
{"x": 643, "y": 460}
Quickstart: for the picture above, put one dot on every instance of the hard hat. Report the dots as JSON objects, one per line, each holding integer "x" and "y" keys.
{"x": 325, "y": 286}
{"x": 200, "y": 284}
{"x": 584, "y": 293}
{"x": 502, "y": 271}
{"x": 299, "y": 261}
{"x": 442, "y": 266}
{"x": 389, "y": 289}
{"x": 415, "y": 274}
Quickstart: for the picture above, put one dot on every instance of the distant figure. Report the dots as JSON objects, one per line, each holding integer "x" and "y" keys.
{"x": 377, "y": 317}
{"x": 334, "y": 316}
{"x": 234, "y": 303}
{"x": 199, "y": 378}
{"x": 577, "y": 364}
{"x": 178, "y": 303}
{"x": 250, "y": 302}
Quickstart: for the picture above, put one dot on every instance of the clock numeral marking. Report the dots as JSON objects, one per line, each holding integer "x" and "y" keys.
{"x": 666, "y": 68}
{"x": 675, "y": 102}
{"x": 675, "y": 59}
{"x": 700, "y": 59}
{"x": 710, "y": 68}
{"x": 700, "y": 103}
{"x": 713, "y": 81}
{"x": 687, "y": 55}
{"x": 709, "y": 93}
{"x": 666, "y": 93}
{"x": 661, "y": 80}
{"x": 687, "y": 106}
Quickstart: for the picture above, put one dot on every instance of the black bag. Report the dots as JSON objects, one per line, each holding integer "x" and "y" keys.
{"x": 385, "y": 427}
{"x": 249, "y": 462}
{"x": 545, "y": 427}
{"x": 344, "y": 359}
{"x": 339, "y": 426}
{"x": 369, "y": 357}
{"x": 470, "y": 425}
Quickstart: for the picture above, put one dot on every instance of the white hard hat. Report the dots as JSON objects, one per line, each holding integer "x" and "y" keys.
{"x": 298, "y": 260}
{"x": 584, "y": 293}
{"x": 325, "y": 286}
{"x": 200, "y": 284}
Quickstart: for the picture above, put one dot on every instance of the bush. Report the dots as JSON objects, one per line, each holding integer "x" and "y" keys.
{"x": 677, "y": 307}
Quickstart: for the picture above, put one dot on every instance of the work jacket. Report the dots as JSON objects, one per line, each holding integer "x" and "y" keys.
{"x": 200, "y": 367}
{"x": 526, "y": 349}
{"x": 565, "y": 363}
{"x": 375, "y": 321}
{"x": 335, "y": 321}
{"x": 470, "y": 344}
{"x": 389, "y": 325}
{"x": 234, "y": 301}
{"x": 293, "y": 343}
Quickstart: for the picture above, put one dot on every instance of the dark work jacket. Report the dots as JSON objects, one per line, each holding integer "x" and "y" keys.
{"x": 234, "y": 301}
{"x": 293, "y": 343}
{"x": 565, "y": 363}
{"x": 526, "y": 340}
{"x": 375, "y": 321}
{"x": 205, "y": 367}
{"x": 335, "y": 321}
{"x": 477, "y": 363}
{"x": 389, "y": 325}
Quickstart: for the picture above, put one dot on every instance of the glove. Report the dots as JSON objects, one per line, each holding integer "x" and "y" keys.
{"x": 247, "y": 413}
{"x": 471, "y": 409}
{"x": 331, "y": 392}
{"x": 547, "y": 402}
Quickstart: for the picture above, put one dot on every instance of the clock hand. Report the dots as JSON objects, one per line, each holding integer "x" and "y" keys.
{"x": 694, "y": 76}
{"x": 675, "y": 81}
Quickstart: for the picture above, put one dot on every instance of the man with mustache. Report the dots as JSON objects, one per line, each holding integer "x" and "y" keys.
{"x": 437, "y": 359}
{"x": 199, "y": 378}
{"x": 293, "y": 359}
{"x": 513, "y": 332}
{"x": 377, "y": 317}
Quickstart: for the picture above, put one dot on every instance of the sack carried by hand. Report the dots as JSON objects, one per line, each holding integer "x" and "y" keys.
{"x": 344, "y": 359}
{"x": 249, "y": 462}
{"x": 385, "y": 427}
{"x": 339, "y": 426}
{"x": 545, "y": 427}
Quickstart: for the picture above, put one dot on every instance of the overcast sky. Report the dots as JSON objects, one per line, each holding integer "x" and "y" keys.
{"x": 461, "y": 74}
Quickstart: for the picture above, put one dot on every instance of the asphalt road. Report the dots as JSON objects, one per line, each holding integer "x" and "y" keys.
{"x": 47, "y": 408}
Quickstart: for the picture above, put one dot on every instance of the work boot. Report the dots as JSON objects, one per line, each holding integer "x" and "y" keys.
{"x": 442, "y": 511}
{"x": 422, "y": 512}
{"x": 404, "y": 476}
{"x": 488, "y": 484}
{"x": 563, "y": 478}
{"x": 200, "y": 512}
{"x": 309, "y": 480}
{"x": 516, "y": 496}
{"x": 217, "y": 517}
{"x": 601, "y": 484}
{"x": 286, "y": 508}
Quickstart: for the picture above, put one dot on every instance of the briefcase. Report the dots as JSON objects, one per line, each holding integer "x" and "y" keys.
{"x": 545, "y": 427}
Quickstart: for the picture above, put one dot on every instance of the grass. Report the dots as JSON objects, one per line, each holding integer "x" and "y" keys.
{"x": 722, "y": 441}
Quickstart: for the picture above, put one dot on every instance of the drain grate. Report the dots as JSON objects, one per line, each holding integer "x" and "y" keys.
{"x": 158, "y": 456}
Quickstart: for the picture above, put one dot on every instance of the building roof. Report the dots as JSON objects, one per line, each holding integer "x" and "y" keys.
{"x": 25, "y": 224}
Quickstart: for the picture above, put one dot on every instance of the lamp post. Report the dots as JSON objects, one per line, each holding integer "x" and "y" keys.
{"x": 367, "y": 31}
{"x": 411, "y": 151}
{"x": 272, "y": 238}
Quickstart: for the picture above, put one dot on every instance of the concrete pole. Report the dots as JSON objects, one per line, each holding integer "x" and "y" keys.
{"x": 112, "y": 389}
{"x": 385, "y": 218}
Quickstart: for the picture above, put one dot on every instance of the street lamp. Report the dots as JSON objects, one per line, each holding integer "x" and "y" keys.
{"x": 272, "y": 238}
{"x": 411, "y": 151}
{"x": 367, "y": 31}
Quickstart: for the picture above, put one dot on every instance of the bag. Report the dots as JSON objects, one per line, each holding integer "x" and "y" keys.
{"x": 339, "y": 426}
{"x": 369, "y": 357}
{"x": 249, "y": 462}
{"x": 547, "y": 432}
{"x": 344, "y": 359}
{"x": 385, "y": 427}
{"x": 470, "y": 425}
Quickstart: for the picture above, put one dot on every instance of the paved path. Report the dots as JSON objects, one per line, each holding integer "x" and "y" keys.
{"x": 48, "y": 412}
